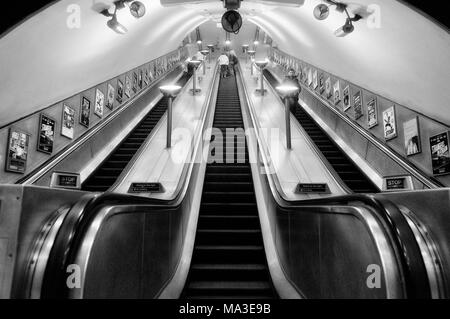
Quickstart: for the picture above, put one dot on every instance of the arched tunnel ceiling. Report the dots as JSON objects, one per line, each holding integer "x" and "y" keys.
{"x": 43, "y": 61}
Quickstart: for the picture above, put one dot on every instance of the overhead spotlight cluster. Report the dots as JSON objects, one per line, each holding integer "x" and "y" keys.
{"x": 322, "y": 12}
{"x": 137, "y": 10}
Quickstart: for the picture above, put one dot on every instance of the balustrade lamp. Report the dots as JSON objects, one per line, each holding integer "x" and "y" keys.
{"x": 285, "y": 92}
{"x": 261, "y": 66}
{"x": 245, "y": 50}
{"x": 170, "y": 92}
{"x": 204, "y": 53}
{"x": 251, "y": 53}
{"x": 195, "y": 64}
{"x": 210, "y": 47}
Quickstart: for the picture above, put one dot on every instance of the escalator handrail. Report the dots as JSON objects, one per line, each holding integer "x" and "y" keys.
{"x": 430, "y": 182}
{"x": 408, "y": 251}
{"x": 85, "y": 211}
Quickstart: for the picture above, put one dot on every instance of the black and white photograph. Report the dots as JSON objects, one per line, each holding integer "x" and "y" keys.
{"x": 46, "y": 137}
{"x": 225, "y": 158}
{"x": 68, "y": 122}
{"x": 17, "y": 152}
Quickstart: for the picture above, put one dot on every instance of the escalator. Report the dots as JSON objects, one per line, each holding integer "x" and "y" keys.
{"x": 350, "y": 174}
{"x": 229, "y": 259}
{"x": 107, "y": 173}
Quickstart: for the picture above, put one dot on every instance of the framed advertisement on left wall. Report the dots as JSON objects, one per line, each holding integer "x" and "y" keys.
{"x": 17, "y": 151}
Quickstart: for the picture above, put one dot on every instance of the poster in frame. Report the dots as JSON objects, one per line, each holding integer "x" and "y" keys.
{"x": 358, "y": 105}
{"x": 141, "y": 79}
{"x": 372, "y": 113}
{"x": 110, "y": 97}
{"x": 135, "y": 82}
{"x": 310, "y": 76}
{"x": 440, "y": 154}
{"x": 119, "y": 94}
{"x": 315, "y": 83}
{"x": 411, "y": 131}
{"x": 321, "y": 83}
{"x": 346, "y": 98}
{"x": 337, "y": 92}
{"x": 146, "y": 78}
{"x": 390, "y": 124}
{"x": 17, "y": 151}
{"x": 46, "y": 134}
{"x": 328, "y": 89}
{"x": 128, "y": 86}
{"x": 99, "y": 103}
{"x": 85, "y": 112}
{"x": 68, "y": 122}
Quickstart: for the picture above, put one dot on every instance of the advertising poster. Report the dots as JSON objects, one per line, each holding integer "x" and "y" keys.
{"x": 322, "y": 83}
{"x": 110, "y": 97}
{"x": 328, "y": 90}
{"x": 152, "y": 72}
{"x": 46, "y": 135}
{"x": 310, "y": 77}
{"x": 128, "y": 87}
{"x": 135, "y": 82}
{"x": 99, "y": 103}
{"x": 372, "y": 113}
{"x": 440, "y": 155}
{"x": 16, "y": 161}
{"x": 337, "y": 93}
{"x": 68, "y": 122}
{"x": 346, "y": 98}
{"x": 85, "y": 112}
{"x": 357, "y": 105}
{"x": 389, "y": 124}
{"x": 119, "y": 91}
{"x": 146, "y": 78}
{"x": 412, "y": 137}
{"x": 141, "y": 79}
{"x": 315, "y": 80}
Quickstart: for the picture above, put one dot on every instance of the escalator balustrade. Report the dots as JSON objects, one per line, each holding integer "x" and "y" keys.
{"x": 350, "y": 174}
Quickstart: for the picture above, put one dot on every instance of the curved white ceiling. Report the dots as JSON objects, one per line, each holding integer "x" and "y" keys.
{"x": 406, "y": 60}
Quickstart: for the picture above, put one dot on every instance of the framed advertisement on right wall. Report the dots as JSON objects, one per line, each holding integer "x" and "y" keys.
{"x": 440, "y": 155}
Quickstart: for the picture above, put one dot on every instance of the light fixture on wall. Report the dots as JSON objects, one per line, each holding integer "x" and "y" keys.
{"x": 137, "y": 10}
{"x": 322, "y": 12}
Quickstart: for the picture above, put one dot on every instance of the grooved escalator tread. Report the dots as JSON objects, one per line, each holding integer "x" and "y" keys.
{"x": 229, "y": 259}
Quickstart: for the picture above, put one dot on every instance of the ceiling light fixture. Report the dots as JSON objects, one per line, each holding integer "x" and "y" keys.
{"x": 322, "y": 11}
{"x": 137, "y": 10}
